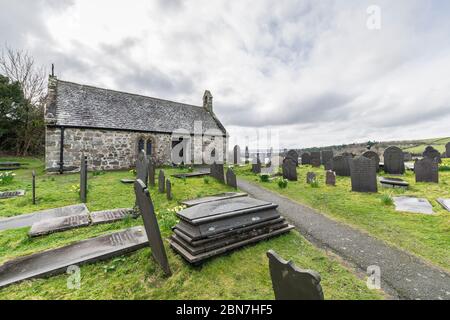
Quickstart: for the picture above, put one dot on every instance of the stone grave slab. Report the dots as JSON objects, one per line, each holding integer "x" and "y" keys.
{"x": 57, "y": 261}
{"x": 389, "y": 182}
{"x": 127, "y": 181}
{"x": 108, "y": 216}
{"x": 26, "y": 220}
{"x": 216, "y": 197}
{"x": 412, "y": 204}
{"x": 190, "y": 174}
{"x": 12, "y": 194}
{"x": 445, "y": 203}
{"x": 59, "y": 224}
{"x": 292, "y": 283}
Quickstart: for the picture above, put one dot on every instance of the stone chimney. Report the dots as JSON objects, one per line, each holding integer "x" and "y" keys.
{"x": 50, "y": 104}
{"x": 207, "y": 101}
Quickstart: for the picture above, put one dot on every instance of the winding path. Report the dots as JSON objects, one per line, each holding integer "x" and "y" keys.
{"x": 403, "y": 275}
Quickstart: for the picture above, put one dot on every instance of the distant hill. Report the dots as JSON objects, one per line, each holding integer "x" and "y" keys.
{"x": 416, "y": 147}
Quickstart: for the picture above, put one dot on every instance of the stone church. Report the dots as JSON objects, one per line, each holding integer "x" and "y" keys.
{"x": 110, "y": 127}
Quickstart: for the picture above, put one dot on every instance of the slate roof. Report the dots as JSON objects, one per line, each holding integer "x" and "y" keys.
{"x": 85, "y": 106}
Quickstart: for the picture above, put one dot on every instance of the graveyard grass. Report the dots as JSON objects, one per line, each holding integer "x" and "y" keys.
{"x": 427, "y": 236}
{"x": 242, "y": 274}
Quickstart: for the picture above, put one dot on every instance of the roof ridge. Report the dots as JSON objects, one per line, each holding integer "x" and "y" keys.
{"x": 128, "y": 93}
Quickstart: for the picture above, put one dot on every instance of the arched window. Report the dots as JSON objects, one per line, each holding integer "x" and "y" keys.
{"x": 148, "y": 149}
{"x": 140, "y": 145}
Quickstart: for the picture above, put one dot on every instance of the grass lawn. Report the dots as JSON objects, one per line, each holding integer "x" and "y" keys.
{"x": 438, "y": 144}
{"x": 242, "y": 274}
{"x": 423, "y": 235}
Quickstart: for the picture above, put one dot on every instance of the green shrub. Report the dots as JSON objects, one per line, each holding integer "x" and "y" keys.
{"x": 6, "y": 177}
{"x": 264, "y": 177}
{"x": 282, "y": 183}
{"x": 314, "y": 183}
{"x": 206, "y": 180}
{"x": 133, "y": 172}
{"x": 387, "y": 200}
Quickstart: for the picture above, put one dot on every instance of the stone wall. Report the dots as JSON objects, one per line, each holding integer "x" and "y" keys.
{"x": 105, "y": 149}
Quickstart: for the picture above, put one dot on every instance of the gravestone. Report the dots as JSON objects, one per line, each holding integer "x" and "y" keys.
{"x": 256, "y": 167}
{"x": 389, "y": 182}
{"x": 363, "y": 173}
{"x": 83, "y": 179}
{"x": 341, "y": 166}
{"x": 168, "y": 190}
{"x": 56, "y": 261}
{"x": 231, "y": 178}
{"x": 306, "y": 158}
{"x": 142, "y": 166}
{"x": 146, "y": 208}
{"x": 33, "y": 185}
{"x": 151, "y": 173}
{"x": 191, "y": 174}
{"x": 445, "y": 203}
{"x": 426, "y": 170}
{"x": 108, "y": 216}
{"x": 292, "y": 283}
{"x": 217, "y": 172}
{"x": 292, "y": 154}
{"x": 59, "y": 224}
{"x": 127, "y": 181}
{"x": 330, "y": 178}
{"x": 289, "y": 169}
{"x": 327, "y": 155}
{"x": 26, "y": 220}
{"x": 329, "y": 165}
{"x": 407, "y": 156}
{"x": 447, "y": 150}
{"x": 216, "y": 197}
{"x": 12, "y": 194}
{"x": 413, "y": 205}
{"x": 247, "y": 155}
{"x": 161, "y": 181}
{"x": 315, "y": 159}
{"x": 236, "y": 155}
{"x": 432, "y": 153}
{"x": 310, "y": 177}
{"x": 393, "y": 161}
{"x": 373, "y": 156}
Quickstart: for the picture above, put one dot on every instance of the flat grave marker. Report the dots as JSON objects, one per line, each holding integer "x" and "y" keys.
{"x": 389, "y": 182}
{"x": 108, "y": 216}
{"x": 191, "y": 174}
{"x": 12, "y": 194}
{"x": 445, "y": 203}
{"x": 127, "y": 181}
{"x": 59, "y": 224}
{"x": 413, "y": 205}
{"x": 216, "y": 197}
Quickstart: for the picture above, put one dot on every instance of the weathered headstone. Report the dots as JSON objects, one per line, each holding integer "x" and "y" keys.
{"x": 161, "y": 181}
{"x": 310, "y": 177}
{"x": 426, "y": 170}
{"x": 315, "y": 162}
{"x": 393, "y": 161}
{"x": 33, "y": 185}
{"x": 151, "y": 173}
{"x": 169, "y": 190}
{"x": 217, "y": 172}
{"x": 412, "y": 204}
{"x": 341, "y": 166}
{"x": 292, "y": 283}
{"x": 306, "y": 158}
{"x": 236, "y": 155}
{"x": 363, "y": 173}
{"x": 247, "y": 155}
{"x": 432, "y": 153}
{"x": 329, "y": 165}
{"x": 146, "y": 208}
{"x": 292, "y": 154}
{"x": 289, "y": 169}
{"x": 374, "y": 156}
{"x": 231, "y": 178}
{"x": 256, "y": 167}
{"x": 315, "y": 159}
{"x": 59, "y": 224}
{"x": 327, "y": 155}
{"x": 447, "y": 150}
{"x": 330, "y": 178}
{"x": 407, "y": 156}
{"x": 83, "y": 179}
{"x": 142, "y": 166}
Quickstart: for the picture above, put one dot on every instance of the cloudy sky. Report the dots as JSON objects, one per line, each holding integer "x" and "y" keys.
{"x": 311, "y": 71}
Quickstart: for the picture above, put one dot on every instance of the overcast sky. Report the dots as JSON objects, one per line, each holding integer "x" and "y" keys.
{"x": 310, "y": 70}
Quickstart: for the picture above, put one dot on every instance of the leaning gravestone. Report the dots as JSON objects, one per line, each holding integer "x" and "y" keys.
{"x": 426, "y": 170}
{"x": 292, "y": 154}
{"x": 83, "y": 179}
{"x": 306, "y": 158}
{"x": 330, "y": 178}
{"x": 310, "y": 177}
{"x": 393, "y": 161}
{"x": 327, "y": 155}
{"x": 231, "y": 178}
{"x": 374, "y": 156}
{"x": 432, "y": 153}
{"x": 151, "y": 173}
{"x": 146, "y": 208}
{"x": 289, "y": 169}
{"x": 341, "y": 166}
{"x": 169, "y": 190}
{"x": 33, "y": 185}
{"x": 363, "y": 173}
{"x": 56, "y": 261}
{"x": 161, "y": 181}
{"x": 217, "y": 172}
{"x": 292, "y": 283}
{"x": 142, "y": 167}
{"x": 315, "y": 159}
{"x": 236, "y": 155}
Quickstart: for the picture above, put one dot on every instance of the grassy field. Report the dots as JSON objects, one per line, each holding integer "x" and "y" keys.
{"x": 423, "y": 235}
{"x": 438, "y": 144}
{"x": 242, "y": 274}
